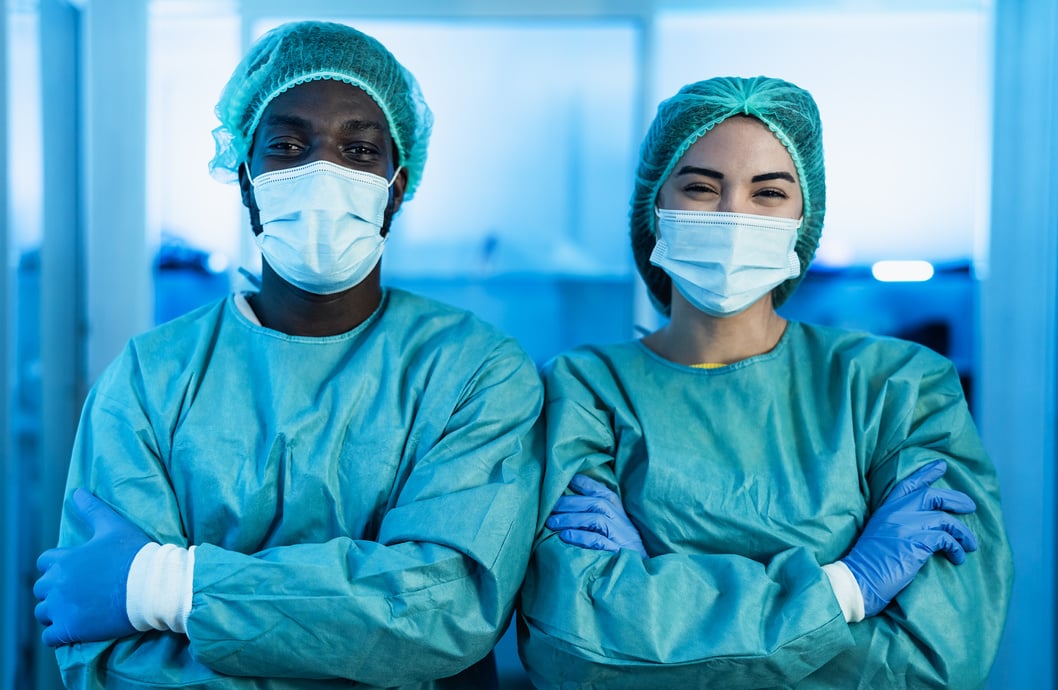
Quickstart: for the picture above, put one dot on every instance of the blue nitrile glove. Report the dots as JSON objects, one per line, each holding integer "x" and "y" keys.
{"x": 82, "y": 589}
{"x": 594, "y": 519}
{"x": 910, "y": 526}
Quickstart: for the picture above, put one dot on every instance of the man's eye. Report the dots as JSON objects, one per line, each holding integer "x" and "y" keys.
{"x": 284, "y": 147}
{"x": 361, "y": 151}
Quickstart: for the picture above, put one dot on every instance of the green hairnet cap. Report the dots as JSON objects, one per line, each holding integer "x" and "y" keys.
{"x": 789, "y": 111}
{"x": 298, "y": 52}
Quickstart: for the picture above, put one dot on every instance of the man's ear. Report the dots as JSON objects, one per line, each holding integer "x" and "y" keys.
{"x": 396, "y": 195}
{"x": 396, "y": 198}
{"x": 248, "y": 200}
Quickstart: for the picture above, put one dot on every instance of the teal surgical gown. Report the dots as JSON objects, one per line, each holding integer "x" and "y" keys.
{"x": 363, "y": 505}
{"x": 743, "y": 481}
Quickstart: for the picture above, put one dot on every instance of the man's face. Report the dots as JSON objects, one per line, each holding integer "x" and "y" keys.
{"x": 323, "y": 120}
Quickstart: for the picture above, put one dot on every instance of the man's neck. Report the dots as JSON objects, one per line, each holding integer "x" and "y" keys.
{"x": 282, "y": 307}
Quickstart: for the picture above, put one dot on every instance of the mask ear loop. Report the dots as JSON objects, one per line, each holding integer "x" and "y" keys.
{"x": 254, "y": 280}
{"x": 249, "y": 177}
{"x": 253, "y": 199}
{"x": 389, "y": 186}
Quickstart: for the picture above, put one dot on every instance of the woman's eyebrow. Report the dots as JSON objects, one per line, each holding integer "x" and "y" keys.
{"x": 708, "y": 172}
{"x": 693, "y": 170}
{"x": 774, "y": 176}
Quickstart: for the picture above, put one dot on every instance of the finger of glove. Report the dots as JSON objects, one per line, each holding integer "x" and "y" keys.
{"x": 949, "y": 500}
{"x": 586, "y": 486}
{"x": 588, "y": 540}
{"x": 591, "y": 522}
{"x": 40, "y": 612}
{"x": 921, "y": 478}
{"x": 927, "y": 523}
{"x": 42, "y": 587}
{"x": 95, "y": 513}
{"x": 47, "y": 559}
{"x": 960, "y": 532}
{"x": 633, "y": 542}
{"x": 56, "y": 636}
{"x": 942, "y": 542}
{"x": 50, "y": 638}
{"x": 584, "y": 504}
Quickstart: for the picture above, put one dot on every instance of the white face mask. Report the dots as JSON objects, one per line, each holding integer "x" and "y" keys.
{"x": 320, "y": 224}
{"x": 724, "y": 262}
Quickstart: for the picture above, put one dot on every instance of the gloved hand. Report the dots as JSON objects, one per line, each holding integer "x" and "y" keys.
{"x": 82, "y": 589}
{"x": 594, "y": 519}
{"x": 910, "y": 526}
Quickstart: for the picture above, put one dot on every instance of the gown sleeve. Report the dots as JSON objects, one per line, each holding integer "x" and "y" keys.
{"x": 944, "y": 629}
{"x": 593, "y": 619}
{"x": 426, "y": 599}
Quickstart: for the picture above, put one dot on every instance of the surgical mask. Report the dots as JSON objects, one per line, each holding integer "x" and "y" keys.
{"x": 724, "y": 262}
{"x": 320, "y": 224}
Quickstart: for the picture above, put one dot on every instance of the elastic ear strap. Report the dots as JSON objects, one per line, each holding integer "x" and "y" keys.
{"x": 249, "y": 177}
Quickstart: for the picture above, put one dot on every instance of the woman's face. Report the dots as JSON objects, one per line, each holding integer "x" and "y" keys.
{"x": 739, "y": 166}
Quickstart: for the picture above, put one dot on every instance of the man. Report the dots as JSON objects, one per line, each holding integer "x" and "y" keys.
{"x": 321, "y": 482}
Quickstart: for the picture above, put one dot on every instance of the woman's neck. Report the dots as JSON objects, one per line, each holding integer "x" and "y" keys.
{"x": 693, "y": 337}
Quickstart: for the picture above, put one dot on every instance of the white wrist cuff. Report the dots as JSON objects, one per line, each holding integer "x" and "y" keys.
{"x": 846, "y": 590}
{"x": 159, "y": 587}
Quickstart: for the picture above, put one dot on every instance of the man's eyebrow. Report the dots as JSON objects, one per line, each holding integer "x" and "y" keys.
{"x": 694, "y": 170}
{"x": 296, "y": 122}
{"x": 279, "y": 120}
{"x": 354, "y": 125}
{"x": 774, "y": 176}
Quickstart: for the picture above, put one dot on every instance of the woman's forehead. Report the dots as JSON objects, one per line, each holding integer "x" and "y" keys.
{"x": 741, "y": 139}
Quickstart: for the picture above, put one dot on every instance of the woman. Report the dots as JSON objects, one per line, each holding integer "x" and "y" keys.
{"x": 755, "y": 502}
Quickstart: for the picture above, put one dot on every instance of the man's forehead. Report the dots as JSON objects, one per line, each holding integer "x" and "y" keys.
{"x": 330, "y": 95}
{"x": 304, "y": 105}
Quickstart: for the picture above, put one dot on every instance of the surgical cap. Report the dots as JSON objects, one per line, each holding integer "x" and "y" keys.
{"x": 298, "y": 52}
{"x": 787, "y": 110}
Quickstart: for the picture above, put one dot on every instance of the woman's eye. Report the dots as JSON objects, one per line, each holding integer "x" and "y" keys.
{"x": 772, "y": 193}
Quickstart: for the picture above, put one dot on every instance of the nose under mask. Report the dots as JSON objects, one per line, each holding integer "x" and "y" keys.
{"x": 724, "y": 262}
{"x": 321, "y": 224}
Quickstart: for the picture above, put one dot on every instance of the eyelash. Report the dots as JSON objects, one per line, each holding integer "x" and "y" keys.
{"x": 769, "y": 193}
{"x": 360, "y": 150}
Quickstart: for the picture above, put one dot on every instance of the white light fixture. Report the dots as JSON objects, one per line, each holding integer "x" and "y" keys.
{"x": 902, "y": 271}
{"x": 217, "y": 262}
